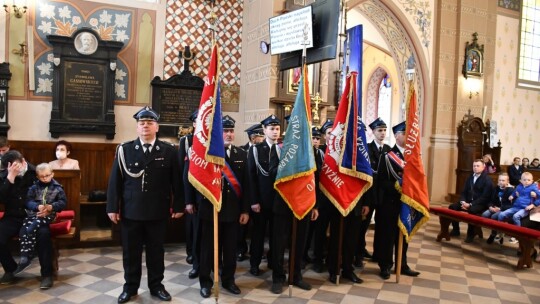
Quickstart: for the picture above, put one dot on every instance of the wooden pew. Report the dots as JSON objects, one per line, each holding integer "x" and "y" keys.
{"x": 525, "y": 236}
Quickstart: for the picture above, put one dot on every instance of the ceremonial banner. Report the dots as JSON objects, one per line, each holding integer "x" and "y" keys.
{"x": 346, "y": 172}
{"x": 414, "y": 192}
{"x": 295, "y": 180}
{"x": 207, "y": 154}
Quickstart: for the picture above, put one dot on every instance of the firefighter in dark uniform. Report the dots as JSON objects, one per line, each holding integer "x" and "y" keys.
{"x": 234, "y": 212}
{"x": 388, "y": 209}
{"x": 144, "y": 175}
{"x": 184, "y": 144}
{"x": 376, "y": 149}
{"x": 319, "y": 158}
{"x": 324, "y": 206}
{"x": 263, "y": 161}
{"x": 256, "y": 135}
{"x": 281, "y": 232}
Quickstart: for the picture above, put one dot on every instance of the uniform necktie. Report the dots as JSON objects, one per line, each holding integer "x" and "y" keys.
{"x": 380, "y": 149}
{"x": 274, "y": 158}
{"x": 147, "y": 149}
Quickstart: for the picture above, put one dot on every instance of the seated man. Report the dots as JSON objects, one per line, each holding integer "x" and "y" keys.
{"x": 474, "y": 198}
{"x": 15, "y": 180}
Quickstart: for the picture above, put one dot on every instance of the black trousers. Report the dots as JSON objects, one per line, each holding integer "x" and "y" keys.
{"x": 281, "y": 240}
{"x": 196, "y": 241}
{"x": 137, "y": 235}
{"x": 320, "y": 241}
{"x": 364, "y": 226}
{"x": 386, "y": 217}
{"x": 10, "y": 227}
{"x": 258, "y": 233}
{"x": 188, "y": 225}
{"x": 475, "y": 209}
{"x": 227, "y": 244}
{"x": 351, "y": 229}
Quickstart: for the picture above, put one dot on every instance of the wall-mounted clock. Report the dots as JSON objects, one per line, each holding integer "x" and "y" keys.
{"x": 265, "y": 47}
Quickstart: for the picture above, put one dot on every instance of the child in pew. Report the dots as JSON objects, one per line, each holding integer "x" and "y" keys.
{"x": 45, "y": 198}
{"x": 499, "y": 202}
{"x": 524, "y": 198}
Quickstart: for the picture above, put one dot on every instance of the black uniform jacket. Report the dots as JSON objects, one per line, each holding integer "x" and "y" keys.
{"x": 261, "y": 187}
{"x": 231, "y": 205}
{"x": 386, "y": 181}
{"x": 370, "y": 197}
{"x": 147, "y": 197}
{"x": 13, "y": 196}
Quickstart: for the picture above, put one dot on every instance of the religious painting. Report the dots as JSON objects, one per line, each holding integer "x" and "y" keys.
{"x": 473, "y": 64}
{"x": 294, "y": 79}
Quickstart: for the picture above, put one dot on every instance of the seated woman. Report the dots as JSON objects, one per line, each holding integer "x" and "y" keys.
{"x": 490, "y": 164}
{"x": 63, "y": 162}
{"x": 535, "y": 164}
{"x": 525, "y": 163}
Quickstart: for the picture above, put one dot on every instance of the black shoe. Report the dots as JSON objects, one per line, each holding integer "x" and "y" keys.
{"x": 352, "y": 277}
{"x": 240, "y": 257}
{"x": 385, "y": 274}
{"x": 455, "y": 232}
{"x": 7, "y": 278}
{"x": 409, "y": 272}
{"x": 255, "y": 271}
{"x": 367, "y": 255}
{"x": 189, "y": 259}
{"x": 469, "y": 239}
{"x": 277, "y": 287}
{"x": 194, "y": 273}
{"x": 317, "y": 267}
{"x": 232, "y": 288}
{"x": 205, "y": 292}
{"x": 332, "y": 278}
{"x": 491, "y": 238}
{"x": 302, "y": 284}
{"x": 24, "y": 263}
{"x": 125, "y": 297}
{"x": 46, "y": 283}
{"x": 161, "y": 294}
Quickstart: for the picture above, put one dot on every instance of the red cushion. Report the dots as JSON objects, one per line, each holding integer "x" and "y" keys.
{"x": 1, "y": 214}
{"x": 65, "y": 215}
{"x": 58, "y": 228}
{"x": 485, "y": 222}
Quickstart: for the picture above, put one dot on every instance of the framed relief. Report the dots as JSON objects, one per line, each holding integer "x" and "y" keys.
{"x": 473, "y": 64}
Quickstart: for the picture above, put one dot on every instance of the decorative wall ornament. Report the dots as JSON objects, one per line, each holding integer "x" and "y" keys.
{"x": 421, "y": 13}
{"x": 474, "y": 58}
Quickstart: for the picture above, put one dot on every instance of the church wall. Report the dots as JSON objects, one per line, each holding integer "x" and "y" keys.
{"x": 516, "y": 110}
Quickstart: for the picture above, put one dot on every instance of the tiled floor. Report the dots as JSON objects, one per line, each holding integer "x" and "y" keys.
{"x": 452, "y": 272}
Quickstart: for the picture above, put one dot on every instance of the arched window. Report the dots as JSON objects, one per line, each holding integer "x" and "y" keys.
{"x": 529, "y": 46}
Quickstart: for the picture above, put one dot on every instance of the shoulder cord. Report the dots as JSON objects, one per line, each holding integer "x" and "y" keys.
{"x": 122, "y": 162}
{"x": 256, "y": 156}
{"x": 390, "y": 168}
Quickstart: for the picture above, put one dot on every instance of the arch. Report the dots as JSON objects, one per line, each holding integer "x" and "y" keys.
{"x": 384, "y": 16}
{"x": 372, "y": 94}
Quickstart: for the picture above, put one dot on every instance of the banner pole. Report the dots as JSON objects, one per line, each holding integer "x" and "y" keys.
{"x": 216, "y": 255}
{"x": 292, "y": 254}
{"x": 340, "y": 250}
{"x": 400, "y": 254}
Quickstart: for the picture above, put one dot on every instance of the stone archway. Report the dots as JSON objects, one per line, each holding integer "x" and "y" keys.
{"x": 400, "y": 44}
{"x": 372, "y": 94}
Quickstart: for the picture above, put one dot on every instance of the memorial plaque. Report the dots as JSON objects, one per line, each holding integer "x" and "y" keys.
{"x": 84, "y": 91}
{"x": 175, "y": 99}
{"x": 83, "y": 84}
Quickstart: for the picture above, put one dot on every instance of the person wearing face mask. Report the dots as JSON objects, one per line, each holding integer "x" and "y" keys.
{"x": 63, "y": 162}
{"x": 15, "y": 181}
